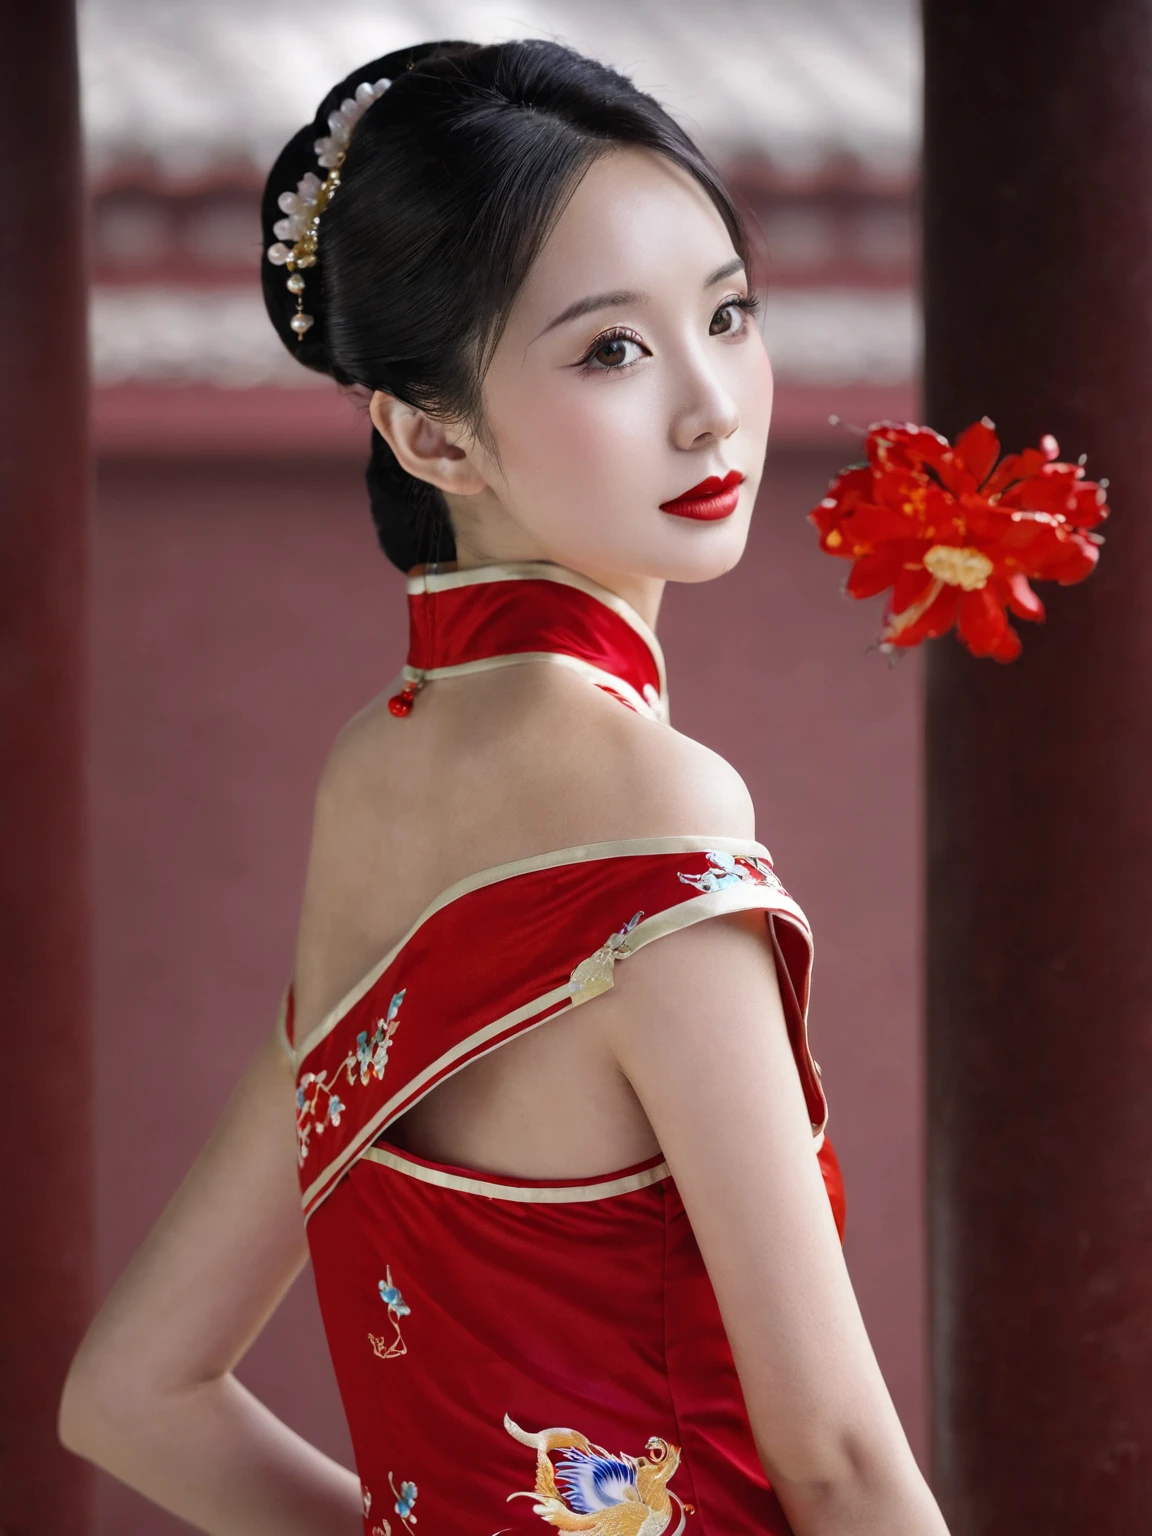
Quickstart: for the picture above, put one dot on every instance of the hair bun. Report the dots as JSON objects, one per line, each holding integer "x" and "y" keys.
{"x": 310, "y": 154}
{"x": 451, "y": 180}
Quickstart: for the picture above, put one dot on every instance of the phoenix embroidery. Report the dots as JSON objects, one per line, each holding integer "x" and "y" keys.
{"x": 593, "y": 1491}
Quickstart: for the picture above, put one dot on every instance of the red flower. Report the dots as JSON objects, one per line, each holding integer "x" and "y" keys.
{"x": 955, "y": 537}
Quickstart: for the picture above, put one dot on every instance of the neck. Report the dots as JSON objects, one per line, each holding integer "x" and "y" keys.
{"x": 485, "y": 535}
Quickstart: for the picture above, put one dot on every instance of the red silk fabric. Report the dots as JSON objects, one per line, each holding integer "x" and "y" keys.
{"x": 457, "y": 620}
{"x": 518, "y": 1354}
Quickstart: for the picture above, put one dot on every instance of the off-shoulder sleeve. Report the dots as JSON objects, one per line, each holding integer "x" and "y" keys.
{"x": 509, "y": 949}
{"x": 730, "y": 882}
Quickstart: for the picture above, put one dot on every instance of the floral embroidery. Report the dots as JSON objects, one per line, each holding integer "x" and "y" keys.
{"x": 403, "y": 1506}
{"x": 318, "y": 1105}
{"x": 599, "y": 1493}
{"x": 734, "y": 869}
{"x": 383, "y": 1347}
{"x": 404, "y": 1499}
{"x": 594, "y": 975}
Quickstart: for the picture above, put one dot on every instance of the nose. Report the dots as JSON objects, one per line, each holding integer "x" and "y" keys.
{"x": 708, "y": 412}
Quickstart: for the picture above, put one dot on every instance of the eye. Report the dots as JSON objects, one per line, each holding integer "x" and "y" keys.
{"x": 608, "y": 353}
{"x": 748, "y": 306}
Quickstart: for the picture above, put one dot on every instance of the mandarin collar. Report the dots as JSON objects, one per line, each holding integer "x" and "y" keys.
{"x": 489, "y": 616}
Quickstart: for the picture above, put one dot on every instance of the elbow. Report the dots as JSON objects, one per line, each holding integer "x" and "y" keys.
{"x": 853, "y": 1478}
{"x": 99, "y": 1405}
{"x": 75, "y": 1413}
{"x": 83, "y": 1416}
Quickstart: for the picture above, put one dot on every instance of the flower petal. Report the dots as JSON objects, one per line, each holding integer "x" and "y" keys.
{"x": 1008, "y": 647}
{"x": 1078, "y": 560}
{"x": 903, "y": 445}
{"x": 873, "y": 573}
{"x": 1022, "y": 600}
{"x": 848, "y": 489}
{"x": 936, "y": 620}
{"x": 871, "y": 524}
{"x": 910, "y": 586}
{"x": 1090, "y": 505}
{"x": 1014, "y": 466}
{"x": 978, "y": 448}
{"x": 982, "y": 622}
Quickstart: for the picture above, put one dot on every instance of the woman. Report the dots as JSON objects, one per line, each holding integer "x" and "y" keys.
{"x": 590, "y": 1262}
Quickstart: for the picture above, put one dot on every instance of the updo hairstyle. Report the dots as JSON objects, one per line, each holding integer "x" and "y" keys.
{"x": 452, "y": 181}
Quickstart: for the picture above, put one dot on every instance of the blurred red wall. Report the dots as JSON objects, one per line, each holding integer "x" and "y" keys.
{"x": 241, "y": 613}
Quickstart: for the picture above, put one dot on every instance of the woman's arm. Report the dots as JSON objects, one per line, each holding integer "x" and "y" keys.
{"x": 697, "y": 1025}
{"x": 150, "y": 1396}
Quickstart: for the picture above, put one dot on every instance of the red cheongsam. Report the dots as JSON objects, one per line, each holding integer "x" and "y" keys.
{"x": 521, "y": 1353}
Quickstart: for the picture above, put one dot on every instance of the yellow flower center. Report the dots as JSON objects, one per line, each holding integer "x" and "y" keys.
{"x": 966, "y": 568}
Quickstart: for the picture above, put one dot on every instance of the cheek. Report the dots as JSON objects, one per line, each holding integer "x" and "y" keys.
{"x": 590, "y": 443}
{"x": 762, "y": 387}
{"x": 767, "y": 389}
{"x": 749, "y": 380}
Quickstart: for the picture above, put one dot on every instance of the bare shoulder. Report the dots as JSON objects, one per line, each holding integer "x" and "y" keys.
{"x": 486, "y": 769}
{"x": 665, "y": 782}
{"x": 343, "y": 922}
{"x": 362, "y": 749}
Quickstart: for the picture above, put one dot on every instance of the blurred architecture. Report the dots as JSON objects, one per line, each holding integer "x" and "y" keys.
{"x": 809, "y": 110}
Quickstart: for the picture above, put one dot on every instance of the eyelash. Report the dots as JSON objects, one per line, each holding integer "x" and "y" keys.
{"x": 750, "y": 304}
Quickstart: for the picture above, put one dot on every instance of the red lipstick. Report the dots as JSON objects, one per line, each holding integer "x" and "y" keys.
{"x": 712, "y": 499}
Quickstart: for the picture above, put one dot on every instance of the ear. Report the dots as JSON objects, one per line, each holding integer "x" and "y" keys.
{"x": 428, "y": 449}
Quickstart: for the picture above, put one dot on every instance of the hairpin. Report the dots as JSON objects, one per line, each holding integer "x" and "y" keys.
{"x": 302, "y": 208}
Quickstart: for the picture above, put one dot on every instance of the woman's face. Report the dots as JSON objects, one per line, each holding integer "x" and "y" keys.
{"x": 627, "y": 375}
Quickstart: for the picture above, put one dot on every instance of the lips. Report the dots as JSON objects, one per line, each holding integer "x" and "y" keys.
{"x": 712, "y": 499}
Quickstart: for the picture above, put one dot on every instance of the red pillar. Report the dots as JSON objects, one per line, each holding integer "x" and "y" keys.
{"x": 1038, "y": 293}
{"x": 45, "y": 1148}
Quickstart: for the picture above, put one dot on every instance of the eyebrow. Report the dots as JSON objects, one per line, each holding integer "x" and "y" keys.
{"x": 619, "y": 297}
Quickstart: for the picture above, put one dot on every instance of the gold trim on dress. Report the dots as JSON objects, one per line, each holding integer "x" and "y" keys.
{"x": 542, "y": 570}
{"x": 585, "y": 669}
{"x": 525, "y": 1193}
{"x": 734, "y": 898}
{"x": 402, "y": 1100}
{"x": 581, "y": 853}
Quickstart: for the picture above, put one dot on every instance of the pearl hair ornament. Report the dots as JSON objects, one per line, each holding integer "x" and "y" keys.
{"x": 302, "y": 208}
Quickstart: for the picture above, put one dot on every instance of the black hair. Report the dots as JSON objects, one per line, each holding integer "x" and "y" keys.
{"x": 452, "y": 181}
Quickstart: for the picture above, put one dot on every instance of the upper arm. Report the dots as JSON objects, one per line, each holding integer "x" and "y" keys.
{"x": 216, "y": 1263}
{"x": 339, "y": 935}
{"x": 697, "y": 1025}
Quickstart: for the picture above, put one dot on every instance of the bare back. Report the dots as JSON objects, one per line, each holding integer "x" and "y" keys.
{"x": 487, "y": 770}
